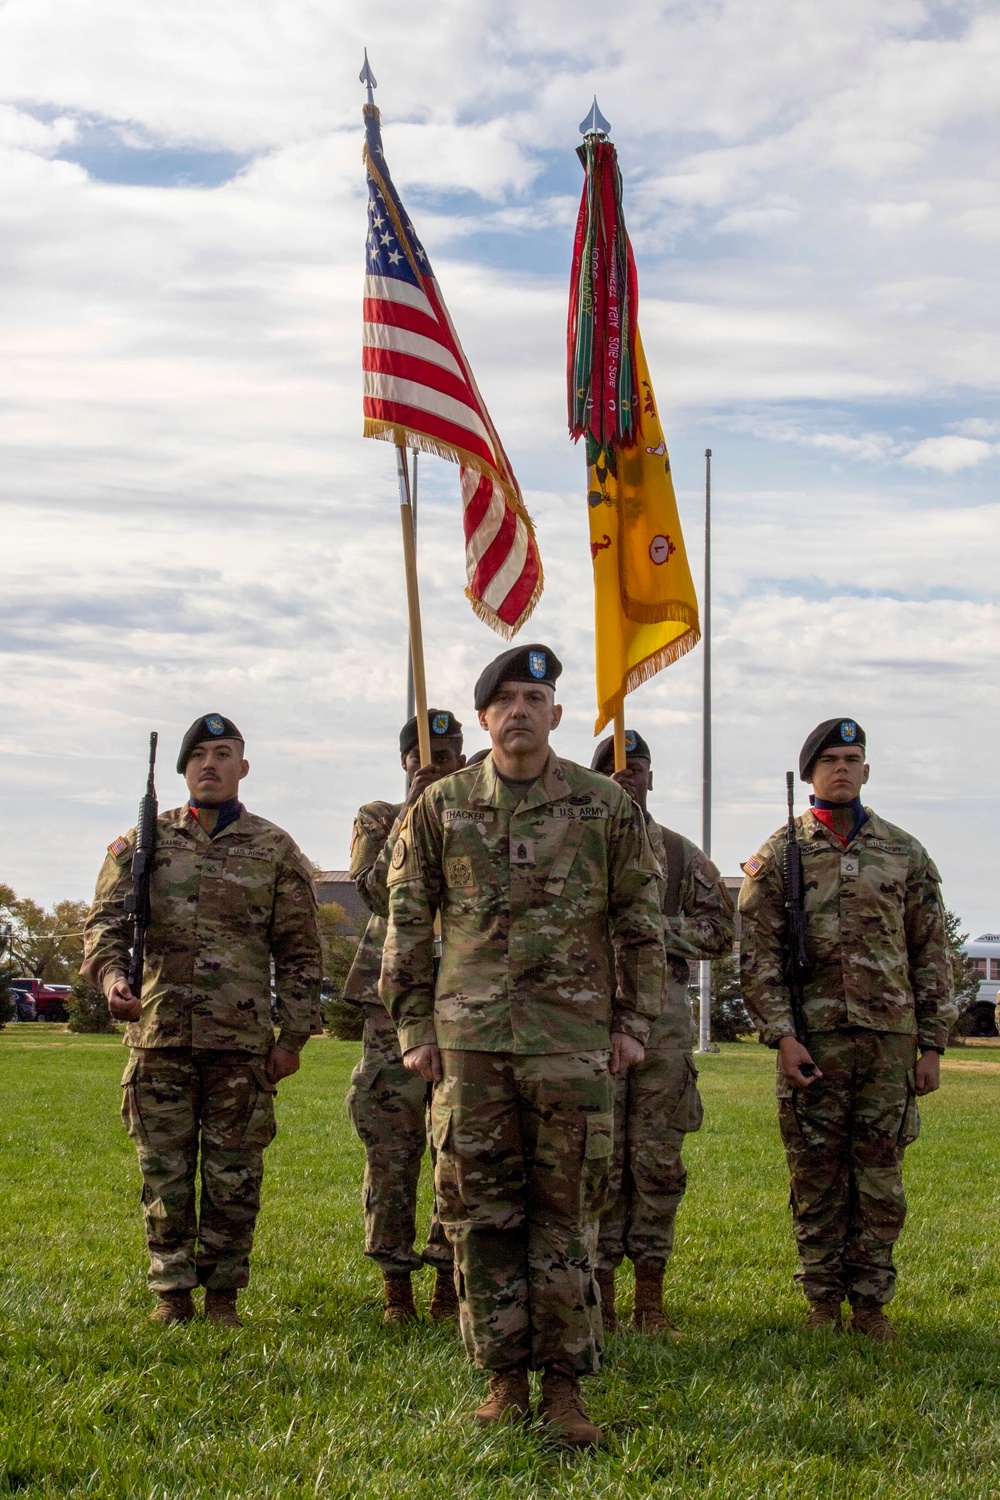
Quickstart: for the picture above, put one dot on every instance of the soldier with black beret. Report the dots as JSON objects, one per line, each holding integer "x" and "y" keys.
{"x": 877, "y": 1007}
{"x": 544, "y": 879}
{"x": 386, "y": 1103}
{"x": 657, "y": 1101}
{"x": 231, "y": 897}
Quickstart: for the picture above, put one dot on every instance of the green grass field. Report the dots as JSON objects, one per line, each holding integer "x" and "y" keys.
{"x": 314, "y": 1397}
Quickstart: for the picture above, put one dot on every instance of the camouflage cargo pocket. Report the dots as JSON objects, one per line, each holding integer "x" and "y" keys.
{"x": 362, "y": 1102}
{"x": 598, "y": 1146}
{"x": 261, "y": 1126}
{"x": 131, "y": 1112}
{"x": 690, "y": 1112}
{"x": 909, "y": 1127}
{"x": 447, "y": 1189}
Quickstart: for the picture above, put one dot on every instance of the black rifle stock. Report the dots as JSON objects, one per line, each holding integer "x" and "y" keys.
{"x": 796, "y": 959}
{"x": 137, "y": 899}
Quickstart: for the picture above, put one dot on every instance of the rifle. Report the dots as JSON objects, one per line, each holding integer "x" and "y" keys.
{"x": 137, "y": 899}
{"x": 797, "y": 965}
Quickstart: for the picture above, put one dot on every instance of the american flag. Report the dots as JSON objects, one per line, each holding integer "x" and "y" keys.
{"x": 419, "y": 390}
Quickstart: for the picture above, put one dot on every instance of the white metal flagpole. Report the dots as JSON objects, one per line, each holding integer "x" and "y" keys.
{"x": 705, "y": 967}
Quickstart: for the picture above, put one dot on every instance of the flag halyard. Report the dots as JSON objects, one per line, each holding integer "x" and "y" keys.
{"x": 420, "y": 391}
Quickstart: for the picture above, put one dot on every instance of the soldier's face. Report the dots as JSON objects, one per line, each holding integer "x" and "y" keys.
{"x": 214, "y": 771}
{"x": 521, "y": 717}
{"x": 839, "y": 773}
{"x": 446, "y": 757}
{"x": 637, "y": 779}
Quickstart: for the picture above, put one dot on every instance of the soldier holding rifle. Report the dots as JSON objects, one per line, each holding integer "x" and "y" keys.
{"x": 845, "y": 971}
{"x": 192, "y": 910}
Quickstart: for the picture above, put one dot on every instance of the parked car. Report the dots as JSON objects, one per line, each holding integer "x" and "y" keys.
{"x": 49, "y": 1000}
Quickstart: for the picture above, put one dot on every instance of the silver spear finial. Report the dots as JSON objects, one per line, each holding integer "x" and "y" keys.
{"x": 367, "y": 77}
{"x": 595, "y": 123}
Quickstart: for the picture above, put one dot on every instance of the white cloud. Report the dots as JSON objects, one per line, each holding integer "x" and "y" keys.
{"x": 950, "y": 454}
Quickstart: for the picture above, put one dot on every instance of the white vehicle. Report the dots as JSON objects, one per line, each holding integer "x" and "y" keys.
{"x": 984, "y": 952}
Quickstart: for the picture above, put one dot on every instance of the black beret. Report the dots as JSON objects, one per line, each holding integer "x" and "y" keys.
{"x": 442, "y": 723}
{"x": 830, "y": 732}
{"x": 521, "y": 664}
{"x": 477, "y": 759}
{"x": 604, "y": 755}
{"x": 208, "y": 727}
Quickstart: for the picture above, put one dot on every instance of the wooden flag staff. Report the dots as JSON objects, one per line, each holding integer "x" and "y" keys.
{"x": 619, "y": 727}
{"x": 413, "y": 605}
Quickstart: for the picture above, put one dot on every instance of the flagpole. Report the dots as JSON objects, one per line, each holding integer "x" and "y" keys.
{"x": 410, "y": 704}
{"x": 705, "y": 967}
{"x": 413, "y": 605}
{"x": 619, "y": 729}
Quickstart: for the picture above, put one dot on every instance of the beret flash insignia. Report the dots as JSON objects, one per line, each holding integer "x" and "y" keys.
{"x": 441, "y": 723}
{"x": 631, "y": 741}
{"x": 537, "y": 665}
{"x": 848, "y": 731}
{"x": 752, "y": 865}
{"x": 214, "y": 725}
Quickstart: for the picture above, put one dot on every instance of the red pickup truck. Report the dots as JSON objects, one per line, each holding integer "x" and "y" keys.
{"x": 50, "y": 999}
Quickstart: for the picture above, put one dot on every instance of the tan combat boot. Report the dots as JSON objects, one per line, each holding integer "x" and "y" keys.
{"x": 444, "y": 1301}
{"x": 173, "y": 1307}
{"x": 220, "y": 1309}
{"x": 397, "y": 1290}
{"x": 824, "y": 1315}
{"x": 563, "y": 1412}
{"x": 869, "y": 1318}
{"x": 509, "y": 1399}
{"x": 648, "y": 1315}
{"x": 606, "y": 1284}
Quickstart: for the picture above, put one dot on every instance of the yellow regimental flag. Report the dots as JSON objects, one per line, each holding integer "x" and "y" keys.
{"x": 645, "y": 609}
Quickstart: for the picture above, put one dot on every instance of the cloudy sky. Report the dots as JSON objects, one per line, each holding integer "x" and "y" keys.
{"x": 192, "y": 521}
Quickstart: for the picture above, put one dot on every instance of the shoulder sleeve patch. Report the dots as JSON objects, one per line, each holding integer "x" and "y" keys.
{"x": 117, "y": 847}
{"x": 753, "y": 865}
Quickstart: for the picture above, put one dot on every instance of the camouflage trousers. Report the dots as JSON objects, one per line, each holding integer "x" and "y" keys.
{"x": 175, "y": 1100}
{"x": 388, "y": 1109}
{"x": 656, "y": 1104}
{"x": 844, "y": 1139}
{"x": 524, "y": 1146}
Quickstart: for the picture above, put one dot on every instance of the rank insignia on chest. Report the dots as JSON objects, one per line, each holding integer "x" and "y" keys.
{"x": 522, "y": 851}
{"x": 850, "y": 867}
{"x": 117, "y": 848}
{"x": 752, "y": 866}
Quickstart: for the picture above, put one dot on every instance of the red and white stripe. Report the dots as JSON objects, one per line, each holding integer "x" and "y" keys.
{"x": 418, "y": 387}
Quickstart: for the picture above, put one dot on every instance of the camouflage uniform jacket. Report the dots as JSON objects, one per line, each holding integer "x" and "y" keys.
{"x": 876, "y": 935}
{"x": 221, "y": 910}
{"x": 529, "y": 894}
{"x": 703, "y": 928}
{"x": 375, "y": 823}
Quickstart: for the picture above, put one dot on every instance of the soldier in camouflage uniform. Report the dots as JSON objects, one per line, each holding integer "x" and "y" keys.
{"x": 386, "y": 1102}
{"x": 230, "y": 895}
{"x": 657, "y": 1102}
{"x": 878, "y": 1007}
{"x": 544, "y": 879}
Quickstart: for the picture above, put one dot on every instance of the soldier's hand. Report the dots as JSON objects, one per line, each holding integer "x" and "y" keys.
{"x": 426, "y": 1061}
{"x": 420, "y": 781}
{"x": 927, "y": 1073}
{"x": 122, "y": 1004}
{"x": 626, "y": 1052}
{"x": 625, "y": 781}
{"x": 791, "y": 1056}
{"x": 281, "y": 1064}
